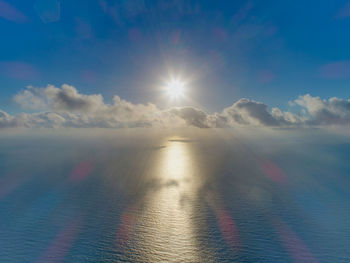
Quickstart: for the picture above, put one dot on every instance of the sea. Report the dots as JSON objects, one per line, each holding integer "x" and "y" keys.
{"x": 193, "y": 195}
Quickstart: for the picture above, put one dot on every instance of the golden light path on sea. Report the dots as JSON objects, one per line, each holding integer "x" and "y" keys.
{"x": 166, "y": 229}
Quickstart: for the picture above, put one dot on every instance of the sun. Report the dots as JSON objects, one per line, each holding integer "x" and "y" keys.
{"x": 175, "y": 89}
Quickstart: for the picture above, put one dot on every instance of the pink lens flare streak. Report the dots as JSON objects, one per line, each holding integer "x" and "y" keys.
{"x": 62, "y": 243}
{"x": 82, "y": 171}
{"x": 273, "y": 172}
{"x": 19, "y": 70}
{"x": 226, "y": 224}
{"x": 11, "y": 13}
{"x": 126, "y": 227}
{"x": 9, "y": 183}
{"x": 228, "y": 227}
{"x": 293, "y": 244}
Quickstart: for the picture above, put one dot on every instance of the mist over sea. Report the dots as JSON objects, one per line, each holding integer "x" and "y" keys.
{"x": 195, "y": 195}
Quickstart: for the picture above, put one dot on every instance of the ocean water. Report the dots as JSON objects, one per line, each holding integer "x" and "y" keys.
{"x": 174, "y": 196}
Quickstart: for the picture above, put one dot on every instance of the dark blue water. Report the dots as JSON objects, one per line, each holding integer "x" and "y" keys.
{"x": 174, "y": 196}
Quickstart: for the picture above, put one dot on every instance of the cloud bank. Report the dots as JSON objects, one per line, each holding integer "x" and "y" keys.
{"x": 65, "y": 107}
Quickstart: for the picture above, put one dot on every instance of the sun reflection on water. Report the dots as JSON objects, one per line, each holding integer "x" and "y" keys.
{"x": 165, "y": 231}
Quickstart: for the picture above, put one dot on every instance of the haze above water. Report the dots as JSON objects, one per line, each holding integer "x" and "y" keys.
{"x": 174, "y": 196}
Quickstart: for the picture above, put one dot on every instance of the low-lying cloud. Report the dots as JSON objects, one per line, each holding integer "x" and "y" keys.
{"x": 66, "y": 107}
{"x": 325, "y": 112}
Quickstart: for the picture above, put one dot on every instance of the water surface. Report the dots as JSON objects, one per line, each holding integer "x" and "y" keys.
{"x": 174, "y": 196}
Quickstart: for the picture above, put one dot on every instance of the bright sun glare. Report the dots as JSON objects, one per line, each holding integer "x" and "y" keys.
{"x": 175, "y": 89}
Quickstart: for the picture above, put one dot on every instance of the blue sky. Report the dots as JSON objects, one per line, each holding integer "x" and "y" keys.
{"x": 271, "y": 51}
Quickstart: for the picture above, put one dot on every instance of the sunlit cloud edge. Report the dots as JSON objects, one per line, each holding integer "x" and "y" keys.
{"x": 58, "y": 107}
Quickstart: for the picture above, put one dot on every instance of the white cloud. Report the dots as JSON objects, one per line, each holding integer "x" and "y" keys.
{"x": 6, "y": 120}
{"x": 249, "y": 112}
{"x": 32, "y": 98}
{"x": 192, "y": 116}
{"x": 66, "y": 107}
{"x": 64, "y": 99}
{"x": 325, "y": 112}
